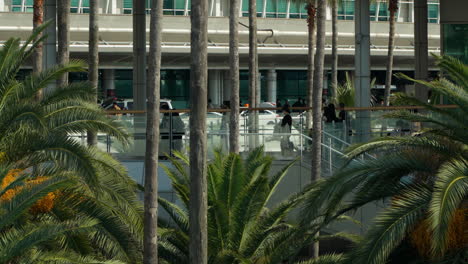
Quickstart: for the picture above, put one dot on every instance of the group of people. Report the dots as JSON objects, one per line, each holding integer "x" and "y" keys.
{"x": 329, "y": 113}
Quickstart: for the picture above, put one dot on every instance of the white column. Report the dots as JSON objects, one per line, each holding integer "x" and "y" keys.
{"x": 49, "y": 56}
{"x": 2, "y": 5}
{"x": 108, "y": 82}
{"x": 271, "y": 85}
{"x": 362, "y": 66}
{"x": 215, "y": 87}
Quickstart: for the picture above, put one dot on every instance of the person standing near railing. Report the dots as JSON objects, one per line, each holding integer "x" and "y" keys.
{"x": 286, "y": 124}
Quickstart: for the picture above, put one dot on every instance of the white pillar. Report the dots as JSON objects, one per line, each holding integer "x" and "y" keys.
{"x": 49, "y": 56}
{"x": 2, "y": 5}
{"x": 362, "y": 66}
{"x": 215, "y": 87}
{"x": 271, "y": 85}
{"x": 108, "y": 82}
{"x": 226, "y": 86}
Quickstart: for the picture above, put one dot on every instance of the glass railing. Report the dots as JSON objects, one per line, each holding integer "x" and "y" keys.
{"x": 296, "y": 144}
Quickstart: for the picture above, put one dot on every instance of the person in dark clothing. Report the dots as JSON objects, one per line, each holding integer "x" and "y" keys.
{"x": 330, "y": 113}
{"x": 286, "y": 124}
{"x": 297, "y": 104}
{"x": 278, "y": 105}
{"x": 342, "y": 114}
{"x": 286, "y": 105}
{"x": 287, "y": 119}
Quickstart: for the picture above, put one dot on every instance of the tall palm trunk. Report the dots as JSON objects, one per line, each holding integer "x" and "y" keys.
{"x": 198, "y": 188}
{"x": 38, "y": 19}
{"x": 253, "y": 70}
{"x": 317, "y": 98}
{"x": 150, "y": 241}
{"x": 334, "y": 77}
{"x": 311, "y": 12}
{"x": 63, "y": 37}
{"x": 234, "y": 75}
{"x": 93, "y": 57}
{"x": 393, "y": 8}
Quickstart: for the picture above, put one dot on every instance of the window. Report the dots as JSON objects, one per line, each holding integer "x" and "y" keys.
{"x": 170, "y": 7}
{"x": 346, "y": 10}
{"x": 379, "y": 11}
{"x": 22, "y": 6}
{"x": 433, "y": 11}
{"x": 276, "y": 9}
{"x": 79, "y": 6}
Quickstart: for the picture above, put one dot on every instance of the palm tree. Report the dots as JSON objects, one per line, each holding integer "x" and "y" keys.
{"x": 38, "y": 19}
{"x": 392, "y": 8}
{"x": 39, "y": 134}
{"x": 152, "y": 135}
{"x": 423, "y": 178}
{"x": 241, "y": 228}
{"x": 253, "y": 71}
{"x": 345, "y": 92}
{"x": 234, "y": 75}
{"x": 93, "y": 56}
{"x": 334, "y": 70}
{"x": 63, "y": 37}
{"x": 199, "y": 72}
{"x": 318, "y": 88}
{"x": 311, "y": 12}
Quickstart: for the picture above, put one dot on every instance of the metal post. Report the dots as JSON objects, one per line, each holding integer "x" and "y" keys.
{"x": 421, "y": 48}
{"x": 49, "y": 56}
{"x": 330, "y": 156}
{"x": 139, "y": 54}
{"x": 362, "y": 66}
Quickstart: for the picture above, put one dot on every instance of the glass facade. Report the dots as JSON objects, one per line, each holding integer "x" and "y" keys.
{"x": 171, "y": 7}
{"x": 276, "y": 9}
{"x": 379, "y": 10}
{"x": 455, "y": 41}
{"x": 77, "y": 6}
{"x": 175, "y": 85}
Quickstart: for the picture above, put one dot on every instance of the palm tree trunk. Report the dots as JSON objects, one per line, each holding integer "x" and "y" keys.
{"x": 63, "y": 37}
{"x": 93, "y": 57}
{"x": 253, "y": 70}
{"x": 234, "y": 75}
{"x": 150, "y": 241}
{"x": 311, "y": 12}
{"x": 198, "y": 188}
{"x": 317, "y": 97}
{"x": 393, "y": 8}
{"x": 334, "y": 77}
{"x": 38, "y": 19}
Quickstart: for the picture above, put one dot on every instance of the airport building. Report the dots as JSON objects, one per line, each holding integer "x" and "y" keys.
{"x": 282, "y": 47}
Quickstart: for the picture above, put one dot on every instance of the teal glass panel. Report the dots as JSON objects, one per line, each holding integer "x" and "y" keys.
{"x": 433, "y": 12}
{"x": 168, "y": 4}
{"x": 245, "y": 6}
{"x": 180, "y": 4}
{"x": 455, "y": 39}
{"x": 295, "y": 8}
{"x": 373, "y": 9}
{"x": 282, "y": 6}
{"x": 74, "y": 10}
{"x": 127, "y": 3}
{"x": 74, "y": 3}
{"x": 17, "y": 2}
{"x": 16, "y": 9}
{"x": 349, "y": 8}
{"x": 29, "y": 2}
{"x": 29, "y": 9}
{"x": 271, "y": 6}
